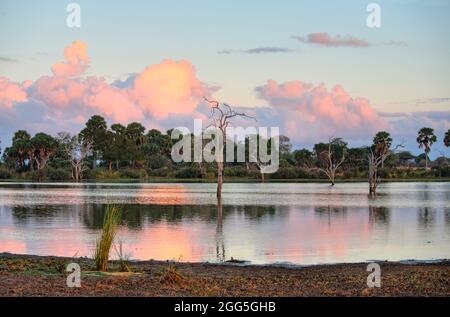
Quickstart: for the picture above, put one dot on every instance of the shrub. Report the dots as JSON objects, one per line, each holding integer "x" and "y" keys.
{"x": 189, "y": 172}
{"x": 5, "y": 173}
{"x": 157, "y": 161}
{"x": 384, "y": 172}
{"x": 290, "y": 173}
{"x": 235, "y": 171}
{"x": 444, "y": 171}
{"x": 58, "y": 174}
{"x": 104, "y": 173}
{"x": 133, "y": 173}
{"x": 39, "y": 175}
{"x": 89, "y": 174}
{"x": 160, "y": 172}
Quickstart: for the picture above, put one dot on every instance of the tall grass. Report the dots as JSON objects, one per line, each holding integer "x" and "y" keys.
{"x": 106, "y": 239}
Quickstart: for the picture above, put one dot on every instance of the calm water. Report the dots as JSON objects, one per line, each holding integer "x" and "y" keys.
{"x": 262, "y": 223}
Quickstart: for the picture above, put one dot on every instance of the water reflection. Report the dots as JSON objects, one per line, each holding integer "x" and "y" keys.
{"x": 426, "y": 217}
{"x": 220, "y": 241}
{"x": 379, "y": 215}
{"x": 298, "y": 223}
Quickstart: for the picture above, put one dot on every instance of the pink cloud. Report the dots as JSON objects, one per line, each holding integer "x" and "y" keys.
{"x": 169, "y": 87}
{"x": 159, "y": 92}
{"x": 11, "y": 93}
{"x": 327, "y": 40}
{"x": 314, "y": 112}
{"x": 112, "y": 102}
{"x": 77, "y": 60}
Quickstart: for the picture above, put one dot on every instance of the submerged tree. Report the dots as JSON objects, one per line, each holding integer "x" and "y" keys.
{"x": 330, "y": 157}
{"x": 382, "y": 143}
{"x": 221, "y": 116}
{"x": 426, "y": 138}
{"x": 375, "y": 158}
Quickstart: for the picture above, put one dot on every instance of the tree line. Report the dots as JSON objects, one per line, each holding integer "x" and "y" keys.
{"x": 118, "y": 151}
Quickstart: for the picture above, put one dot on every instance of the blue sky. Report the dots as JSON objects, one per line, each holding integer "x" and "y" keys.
{"x": 124, "y": 37}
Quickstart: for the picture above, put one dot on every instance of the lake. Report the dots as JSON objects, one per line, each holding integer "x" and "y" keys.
{"x": 263, "y": 223}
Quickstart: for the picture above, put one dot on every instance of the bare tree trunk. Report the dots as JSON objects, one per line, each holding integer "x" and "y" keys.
{"x": 221, "y": 115}
{"x": 373, "y": 186}
{"x": 219, "y": 179}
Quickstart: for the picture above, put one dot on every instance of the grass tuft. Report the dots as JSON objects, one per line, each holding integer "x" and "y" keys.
{"x": 123, "y": 259}
{"x": 172, "y": 276}
{"x": 106, "y": 239}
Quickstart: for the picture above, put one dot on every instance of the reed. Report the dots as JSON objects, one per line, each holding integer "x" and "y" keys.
{"x": 106, "y": 239}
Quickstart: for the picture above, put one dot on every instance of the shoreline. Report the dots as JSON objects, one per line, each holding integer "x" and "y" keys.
{"x": 32, "y": 275}
{"x": 226, "y": 180}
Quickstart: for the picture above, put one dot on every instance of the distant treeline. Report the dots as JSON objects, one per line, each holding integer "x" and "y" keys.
{"x": 131, "y": 152}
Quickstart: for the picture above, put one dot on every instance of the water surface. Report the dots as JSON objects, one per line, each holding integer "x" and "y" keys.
{"x": 261, "y": 223}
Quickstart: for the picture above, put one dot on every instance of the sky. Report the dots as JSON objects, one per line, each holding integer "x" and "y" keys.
{"x": 313, "y": 68}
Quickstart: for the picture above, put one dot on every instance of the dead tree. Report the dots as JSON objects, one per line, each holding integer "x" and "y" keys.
{"x": 77, "y": 152}
{"x": 254, "y": 157}
{"x": 327, "y": 158}
{"x": 221, "y": 114}
{"x": 375, "y": 160}
{"x": 78, "y": 166}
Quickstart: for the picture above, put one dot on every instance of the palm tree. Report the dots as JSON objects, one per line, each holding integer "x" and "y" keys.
{"x": 426, "y": 138}
{"x": 447, "y": 138}
{"x": 382, "y": 143}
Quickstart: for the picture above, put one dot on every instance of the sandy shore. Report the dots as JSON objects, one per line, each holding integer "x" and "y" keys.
{"x": 23, "y": 275}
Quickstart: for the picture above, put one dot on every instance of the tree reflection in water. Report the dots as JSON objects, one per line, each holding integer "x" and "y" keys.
{"x": 379, "y": 215}
{"x": 220, "y": 240}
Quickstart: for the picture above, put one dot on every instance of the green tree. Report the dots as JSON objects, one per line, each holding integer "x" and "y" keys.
{"x": 447, "y": 138}
{"x": 18, "y": 152}
{"x": 116, "y": 149}
{"x": 134, "y": 141}
{"x": 157, "y": 143}
{"x": 44, "y": 146}
{"x": 285, "y": 145}
{"x": 404, "y": 157}
{"x": 303, "y": 157}
{"x": 95, "y": 134}
{"x": 426, "y": 138}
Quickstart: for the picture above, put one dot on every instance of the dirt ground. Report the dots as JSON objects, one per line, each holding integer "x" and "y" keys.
{"x": 22, "y": 275}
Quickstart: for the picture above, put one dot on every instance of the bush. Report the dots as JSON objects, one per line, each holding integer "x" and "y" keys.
{"x": 189, "y": 172}
{"x": 133, "y": 173}
{"x": 443, "y": 171}
{"x": 104, "y": 173}
{"x": 384, "y": 172}
{"x": 39, "y": 175}
{"x": 157, "y": 161}
{"x": 58, "y": 174}
{"x": 160, "y": 172}
{"x": 285, "y": 173}
{"x": 235, "y": 171}
{"x": 5, "y": 173}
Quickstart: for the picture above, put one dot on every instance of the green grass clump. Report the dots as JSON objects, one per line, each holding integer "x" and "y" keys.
{"x": 106, "y": 239}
